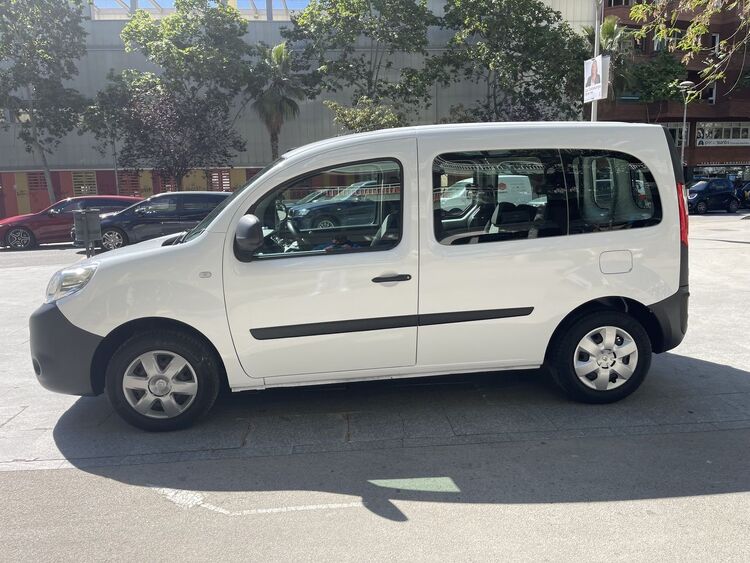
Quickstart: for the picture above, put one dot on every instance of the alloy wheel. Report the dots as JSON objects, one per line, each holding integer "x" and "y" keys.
{"x": 160, "y": 384}
{"x": 112, "y": 240}
{"x": 19, "y": 238}
{"x": 605, "y": 358}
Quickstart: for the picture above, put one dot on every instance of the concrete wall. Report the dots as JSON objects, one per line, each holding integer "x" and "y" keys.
{"x": 106, "y": 52}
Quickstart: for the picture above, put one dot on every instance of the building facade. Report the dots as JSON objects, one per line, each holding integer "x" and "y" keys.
{"x": 79, "y": 169}
{"x": 718, "y": 125}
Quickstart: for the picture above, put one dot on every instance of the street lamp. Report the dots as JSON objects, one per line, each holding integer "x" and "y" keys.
{"x": 597, "y": 26}
{"x": 685, "y": 87}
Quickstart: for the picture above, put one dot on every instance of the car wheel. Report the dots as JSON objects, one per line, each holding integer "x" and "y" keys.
{"x": 701, "y": 208}
{"x": 601, "y": 358}
{"x": 162, "y": 380}
{"x": 733, "y": 206}
{"x": 325, "y": 223}
{"x": 20, "y": 238}
{"x": 113, "y": 238}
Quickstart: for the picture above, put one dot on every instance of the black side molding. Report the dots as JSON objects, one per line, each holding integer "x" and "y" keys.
{"x": 381, "y": 323}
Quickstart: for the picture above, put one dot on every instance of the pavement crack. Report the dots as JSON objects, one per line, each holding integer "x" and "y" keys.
{"x": 348, "y": 435}
{"x": 23, "y": 408}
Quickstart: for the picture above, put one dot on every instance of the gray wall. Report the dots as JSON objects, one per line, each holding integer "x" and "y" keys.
{"x": 106, "y": 51}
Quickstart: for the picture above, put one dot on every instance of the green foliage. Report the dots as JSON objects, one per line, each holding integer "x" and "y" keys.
{"x": 657, "y": 79}
{"x": 40, "y": 42}
{"x": 524, "y": 58}
{"x": 617, "y": 42}
{"x": 351, "y": 44}
{"x": 159, "y": 128}
{"x": 660, "y": 18}
{"x": 365, "y": 115}
{"x": 276, "y": 101}
{"x": 180, "y": 119}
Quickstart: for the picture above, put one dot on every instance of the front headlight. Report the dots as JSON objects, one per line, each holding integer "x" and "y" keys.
{"x": 692, "y": 196}
{"x": 301, "y": 212}
{"x": 68, "y": 281}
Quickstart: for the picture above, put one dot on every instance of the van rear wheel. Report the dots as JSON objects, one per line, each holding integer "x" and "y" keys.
{"x": 601, "y": 357}
{"x": 162, "y": 380}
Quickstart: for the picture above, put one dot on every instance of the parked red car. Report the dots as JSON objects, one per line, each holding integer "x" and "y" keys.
{"x": 54, "y": 223}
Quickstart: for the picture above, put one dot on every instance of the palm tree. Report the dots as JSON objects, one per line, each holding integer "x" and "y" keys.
{"x": 616, "y": 41}
{"x": 276, "y": 101}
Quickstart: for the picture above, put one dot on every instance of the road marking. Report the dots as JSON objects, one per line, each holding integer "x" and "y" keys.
{"x": 191, "y": 499}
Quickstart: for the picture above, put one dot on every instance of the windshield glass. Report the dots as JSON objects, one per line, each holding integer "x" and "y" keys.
{"x": 699, "y": 186}
{"x": 203, "y": 225}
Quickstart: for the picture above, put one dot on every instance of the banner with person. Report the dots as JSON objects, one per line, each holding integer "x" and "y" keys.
{"x": 596, "y": 78}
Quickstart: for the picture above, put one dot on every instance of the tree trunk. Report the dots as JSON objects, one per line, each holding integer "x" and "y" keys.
{"x": 114, "y": 161}
{"x": 207, "y": 174}
{"x": 39, "y": 149}
{"x": 274, "y": 145}
{"x": 178, "y": 182}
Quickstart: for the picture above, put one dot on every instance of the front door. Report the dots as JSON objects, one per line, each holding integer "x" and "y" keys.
{"x": 336, "y": 299}
{"x": 59, "y": 220}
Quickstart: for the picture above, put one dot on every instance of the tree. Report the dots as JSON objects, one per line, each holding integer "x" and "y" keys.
{"x": 524, "y": 58}
{"x": 276, "y": 101}
{"x": 40, "y": 42}
{"x": 615, "y": 41}
{"x": 660, "y": 18}
{"x": 182, "y": 118}
{"x": 366, "y": 115}
{"x": 351, "y": 44}
{"x": 159, "y": 128}
{"x": 657, "y": 79}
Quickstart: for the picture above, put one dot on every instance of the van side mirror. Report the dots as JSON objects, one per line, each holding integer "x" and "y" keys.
{"x": 249, "y": 236}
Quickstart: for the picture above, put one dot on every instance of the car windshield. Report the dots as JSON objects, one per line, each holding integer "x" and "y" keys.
{"x": 203, "y": 225}
{"x": 699, "y": 186}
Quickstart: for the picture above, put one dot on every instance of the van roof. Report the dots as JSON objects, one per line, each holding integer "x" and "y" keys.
{"x": 455, "y": 128}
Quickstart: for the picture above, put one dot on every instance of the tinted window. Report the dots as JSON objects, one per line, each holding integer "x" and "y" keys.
{"x": 487, "y": 196}
{"x": 67, "y": 206}
{"x": 356, "y": 207}
{"x": 165, "y": 205}
{"x": 200, "y": 205}
{"x": 609, "y": 190}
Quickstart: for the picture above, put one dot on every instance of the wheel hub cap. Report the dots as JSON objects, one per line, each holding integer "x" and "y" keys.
{"x": 605, "y": 358}
{"x": 160, "y": 384}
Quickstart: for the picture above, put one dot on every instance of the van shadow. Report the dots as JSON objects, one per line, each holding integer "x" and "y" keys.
{"x": 487, "y": 438}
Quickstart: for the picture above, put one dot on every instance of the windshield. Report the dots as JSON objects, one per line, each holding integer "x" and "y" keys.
{"x": 699, "y": 186}
{"x": 203, "y": 225}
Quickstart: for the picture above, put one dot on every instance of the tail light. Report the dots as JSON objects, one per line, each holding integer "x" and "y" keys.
{"x": 682, "y": 203}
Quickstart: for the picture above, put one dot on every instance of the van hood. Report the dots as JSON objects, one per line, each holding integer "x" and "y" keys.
{"x": 15, "y": 219}
{"x": 145, "y": 247}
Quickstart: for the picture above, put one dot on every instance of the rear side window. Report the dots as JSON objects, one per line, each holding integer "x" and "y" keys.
{"x": 487, "y": 196}
{"x": 609, "y": 190}
{"x": 497, "y": 195}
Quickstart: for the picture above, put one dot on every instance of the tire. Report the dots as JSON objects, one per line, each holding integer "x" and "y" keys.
{"x": 608, "y": 384}
{"x": 701, "y": 207}
{"x": 733, "y": 206}
{"x": 325, "y": 223}
{"x": 139, "y": 374}
{"x": 20, "y": 238}
{"x": 113, "y": 239}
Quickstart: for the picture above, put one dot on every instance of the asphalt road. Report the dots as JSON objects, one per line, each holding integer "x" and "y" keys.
{"x": 458, "y": 468}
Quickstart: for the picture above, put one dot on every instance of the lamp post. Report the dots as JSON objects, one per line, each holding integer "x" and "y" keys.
{"x": 597, "y": 26}
{"x": 685, "y": 87}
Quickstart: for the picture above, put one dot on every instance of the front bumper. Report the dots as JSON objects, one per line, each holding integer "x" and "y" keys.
{"x": 61, "y": 353}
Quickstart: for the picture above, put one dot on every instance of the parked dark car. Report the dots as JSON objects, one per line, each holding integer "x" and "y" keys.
{"x": 54, "y": 223}
{"x": 715, "y": 194}
{"x": 743, "y": 194}
{"x": 362, "y": 203}
{"x": 162, "y": 214}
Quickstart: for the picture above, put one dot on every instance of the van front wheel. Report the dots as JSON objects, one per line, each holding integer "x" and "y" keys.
{"x": 162, "y": 380}
{"x": 601, "y": 358}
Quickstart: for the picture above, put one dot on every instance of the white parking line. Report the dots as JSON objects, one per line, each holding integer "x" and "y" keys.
{"x": 191, "y": 499}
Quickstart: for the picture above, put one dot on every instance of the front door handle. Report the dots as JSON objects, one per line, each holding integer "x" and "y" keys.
{"x": 393, "y": 278}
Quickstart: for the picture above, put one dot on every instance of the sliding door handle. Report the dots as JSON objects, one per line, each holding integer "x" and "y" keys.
{"x": 393, "y": 278}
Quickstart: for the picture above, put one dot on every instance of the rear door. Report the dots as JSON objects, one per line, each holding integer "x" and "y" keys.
{"x": 195, "y": 207}
{"x": 150, "y": 216}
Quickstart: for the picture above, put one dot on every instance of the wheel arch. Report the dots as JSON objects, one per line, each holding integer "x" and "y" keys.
{"x": 118, "y": 336}
{"x": 637, "y": 310}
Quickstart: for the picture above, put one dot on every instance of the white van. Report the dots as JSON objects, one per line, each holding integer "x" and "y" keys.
{"x": 590, "y": 280}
